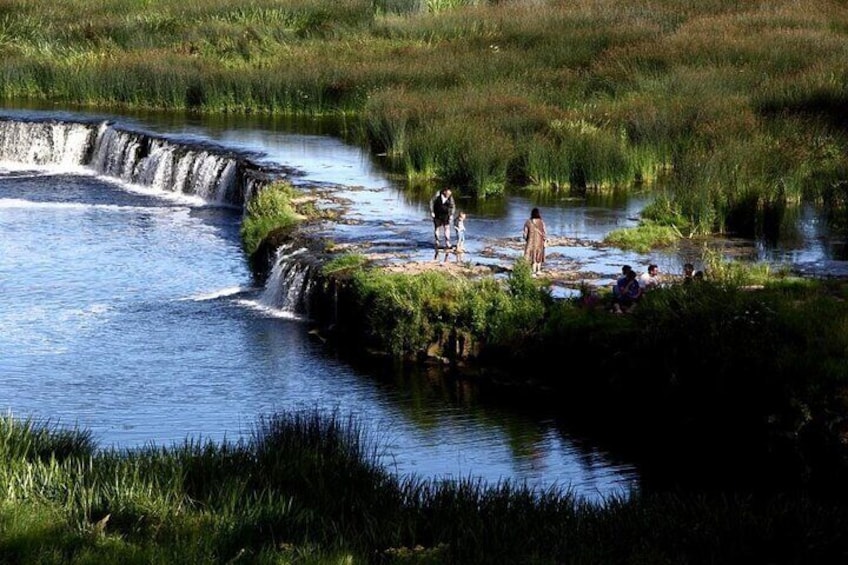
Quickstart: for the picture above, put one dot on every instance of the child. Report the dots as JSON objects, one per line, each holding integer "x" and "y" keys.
{"x": 460, "y": 231}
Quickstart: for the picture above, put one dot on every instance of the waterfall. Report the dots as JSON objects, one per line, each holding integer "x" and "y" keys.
{"x": 215, "y": 174}
{"x": 45, "y": 143}
{"x": 290, "y": 282}
{"x": 139, "y": 158}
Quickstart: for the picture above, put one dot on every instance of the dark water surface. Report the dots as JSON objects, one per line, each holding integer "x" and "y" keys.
{"x": 132, "y": 313}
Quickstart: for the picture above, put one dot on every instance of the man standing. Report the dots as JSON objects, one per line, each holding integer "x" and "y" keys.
{"x": 442, "y": 208}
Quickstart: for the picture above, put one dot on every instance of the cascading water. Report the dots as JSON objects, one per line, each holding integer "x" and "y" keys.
{"x": 138, "y": 158}
{"x": 45, "y": 143}
{"x": 219, "y": 177}
{"x": 289, "y": 283}
{"x": 213, "y": 174}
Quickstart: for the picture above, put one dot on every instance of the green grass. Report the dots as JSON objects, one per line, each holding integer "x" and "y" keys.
{"x": 305, "y": 488}
{"x": 736, "y": 107}
{"x": 408, "y": 315}
{"x": 643, "y": 238}
{"x": 271, "y": 209}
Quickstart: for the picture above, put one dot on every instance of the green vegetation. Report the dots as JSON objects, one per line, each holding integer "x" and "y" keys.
{"x": 344, "y": 263}
{"x": 269, "y": 210}
{"x": 403, "y": 315}
{"x": 748, "y": 365}
{"x": 646, "y": 236}
{"x": 307, "y": 488}
{"x": 728, "y": 111}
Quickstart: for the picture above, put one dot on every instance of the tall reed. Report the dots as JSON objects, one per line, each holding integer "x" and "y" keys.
{"x": 475, "y": 93}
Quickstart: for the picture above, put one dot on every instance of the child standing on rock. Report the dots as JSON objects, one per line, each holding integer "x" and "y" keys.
{"x": 460, "y": 231}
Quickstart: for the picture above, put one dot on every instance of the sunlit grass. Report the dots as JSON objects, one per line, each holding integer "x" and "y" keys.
{"x": 273, "y": 208}
{"x": 485, "y": 95}
{"x": 643, "y": 238}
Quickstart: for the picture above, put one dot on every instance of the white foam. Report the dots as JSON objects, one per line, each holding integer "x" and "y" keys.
{"x": 224, "y": 292}
{"x": 190, "y": 200}
{"x": 30, "y": 169}
{"x": 268, "y": 310}
{"x": 20, "y": 203}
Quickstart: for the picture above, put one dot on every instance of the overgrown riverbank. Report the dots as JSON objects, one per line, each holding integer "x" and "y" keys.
{"x": 743, "y": 379}
{"x": 306, "y": 489}
{"x": 741, "y": 382}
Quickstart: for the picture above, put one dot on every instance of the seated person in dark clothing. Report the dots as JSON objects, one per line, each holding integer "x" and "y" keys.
{"x": 626, "y": 292}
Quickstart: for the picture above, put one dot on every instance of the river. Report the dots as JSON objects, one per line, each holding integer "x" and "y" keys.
{"x": 130, "y": 311}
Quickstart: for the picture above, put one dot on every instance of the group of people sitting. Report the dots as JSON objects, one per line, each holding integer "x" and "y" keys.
{"x": 630, "y": 287}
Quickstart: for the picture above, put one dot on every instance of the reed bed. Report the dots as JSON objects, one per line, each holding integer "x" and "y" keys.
{"x": 487, "y": 96}
{"x": 306, "y": 488}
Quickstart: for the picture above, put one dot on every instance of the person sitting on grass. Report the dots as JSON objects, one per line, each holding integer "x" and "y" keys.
{"x": 651, "y": 278}
{"x": 688, "y": 272}
{"x": 626, "y": 293}
{"x": 620, "y": 280}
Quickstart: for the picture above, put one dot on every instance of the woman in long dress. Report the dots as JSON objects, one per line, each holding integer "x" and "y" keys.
{"x": 534, "y": 240}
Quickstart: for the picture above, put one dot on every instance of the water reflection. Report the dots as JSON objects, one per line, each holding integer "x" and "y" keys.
{"x": 514, "y": 439}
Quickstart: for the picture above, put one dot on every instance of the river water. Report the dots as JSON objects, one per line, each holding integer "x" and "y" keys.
{"x": 131, "y": 312}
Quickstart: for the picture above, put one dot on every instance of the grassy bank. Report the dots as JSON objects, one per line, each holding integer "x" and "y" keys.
{"x": 729, "y": 111}
{"x": 744, "y": 372}
{"x": 306, "y": 488}
{"x": 730, "y": 373}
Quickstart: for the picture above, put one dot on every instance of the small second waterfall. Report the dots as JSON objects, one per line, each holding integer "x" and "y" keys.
{"x": 290, "y": 282}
